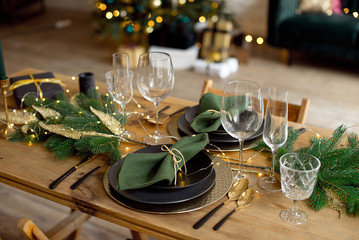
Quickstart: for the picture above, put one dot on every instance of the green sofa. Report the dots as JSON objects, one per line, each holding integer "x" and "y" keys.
{"x": 335, "y": 35}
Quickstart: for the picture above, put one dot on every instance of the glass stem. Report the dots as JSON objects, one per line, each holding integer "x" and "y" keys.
{"x": 123, "y": 119}
{"x": 295, "y": 207}
{"x": 240, "y": 158}
{"x": 274, "y": 150}
{"x": 156, "y": 118}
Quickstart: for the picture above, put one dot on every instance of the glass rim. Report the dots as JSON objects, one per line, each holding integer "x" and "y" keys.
{"x": 258, "y": 85}
{"x": 156, "y": 52}
{"x": 299, "y": 153}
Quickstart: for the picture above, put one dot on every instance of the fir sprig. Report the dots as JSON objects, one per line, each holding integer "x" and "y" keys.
{"x": 338, "y": 177}
{"x": 77, "y": 117}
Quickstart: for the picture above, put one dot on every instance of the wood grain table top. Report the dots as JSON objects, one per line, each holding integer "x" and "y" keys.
{"x": 33, "y": 168}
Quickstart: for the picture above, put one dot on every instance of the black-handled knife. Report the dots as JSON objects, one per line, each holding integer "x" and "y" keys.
{"x": 82, "y": 179}
{"x": 54, "y": 184}
{"x": 208, "y": 215}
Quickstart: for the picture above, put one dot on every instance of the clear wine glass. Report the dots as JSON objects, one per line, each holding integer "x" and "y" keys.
{"x": 241, "y": 113}
{"x": 299, "y": 173}
{"x": 119, "y": 82}
{"x": 155, "y": 80}
{"x": 275, "y": 131}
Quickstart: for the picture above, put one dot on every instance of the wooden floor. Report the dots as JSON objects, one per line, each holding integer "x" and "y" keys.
{"x": 331, "y": 84}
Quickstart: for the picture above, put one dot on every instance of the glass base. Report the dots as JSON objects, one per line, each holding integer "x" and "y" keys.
{"x": 157, "y": 139}
{"x": 252, "y": 178}
{"x": 269, "y": 184}
{"x": 129, "y": 135}
{"x": 292, "y": 217}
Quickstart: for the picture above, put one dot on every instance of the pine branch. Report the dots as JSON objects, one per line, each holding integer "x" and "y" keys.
{"x": 61, "y": 147}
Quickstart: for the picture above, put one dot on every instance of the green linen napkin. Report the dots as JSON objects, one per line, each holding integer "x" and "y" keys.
{"x": 207, "y": 121}
{"x": 144, "y": 169}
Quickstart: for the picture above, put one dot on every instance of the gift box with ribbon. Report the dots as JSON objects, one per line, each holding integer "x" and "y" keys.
{"x": 216, "y": 41}
{"x": 133, "y": 51}
{"x": 43, "y": 85}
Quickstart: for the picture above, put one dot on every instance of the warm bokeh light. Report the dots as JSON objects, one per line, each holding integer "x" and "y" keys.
{"x": 202, "y": 19}
{"x": 248, "y": 38}
{"x": 157, "y": 3}
{"x": 149, "y": 29}
{"x": 214, "y": 4}
{"x": 214, "y": 18}
{"x": 181, "y": 2}
{"x": 109, "y": 15}
{"x": 346, "y": 10}
{"x": 151, "y": 23}
{"x": 159, "y": 19}
{"x": 116, "y": 13}
{"x": 260, "y": 40}
{"x": 355, "y": 14}
{"x": 102, "y": 7}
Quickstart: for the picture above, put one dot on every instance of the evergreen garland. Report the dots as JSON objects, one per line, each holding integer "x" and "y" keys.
{"x": 75, "y": 115}
{"x": 338, "y": 178}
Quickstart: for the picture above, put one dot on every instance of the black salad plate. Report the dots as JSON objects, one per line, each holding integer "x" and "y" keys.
{"x": 185, "y": 127}
{"x": 192, "y": 112}
{"x": 198, "y": 169}
{"x": 218, "y": 136}
{"x": 167, "y": 195}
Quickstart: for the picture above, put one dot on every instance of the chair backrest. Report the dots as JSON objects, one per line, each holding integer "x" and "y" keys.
{"x": 62, "y": 230}
{"x": 296, "y": 113}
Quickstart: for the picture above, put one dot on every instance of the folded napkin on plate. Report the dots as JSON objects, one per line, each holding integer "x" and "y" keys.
{"x": 144, "y": 169}
{"x": 208, "y": 118}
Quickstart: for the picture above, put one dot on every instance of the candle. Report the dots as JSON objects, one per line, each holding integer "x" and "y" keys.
{"x": 2, "y": 65}
{"x": 87, "y": 81}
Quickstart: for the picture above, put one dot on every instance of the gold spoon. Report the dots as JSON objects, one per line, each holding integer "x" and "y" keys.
{"x": 243, "y": 202}
{"x": 233, "y": 194}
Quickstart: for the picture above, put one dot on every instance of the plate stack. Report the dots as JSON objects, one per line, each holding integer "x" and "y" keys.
{"x": 206, "y": 181}
{"x": 219, "y": 138}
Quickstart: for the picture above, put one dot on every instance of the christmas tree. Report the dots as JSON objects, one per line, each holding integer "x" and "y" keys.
{"x": 127, "y": 21}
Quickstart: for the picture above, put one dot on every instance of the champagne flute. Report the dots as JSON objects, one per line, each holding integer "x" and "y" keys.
{"x": 155, "y": 80}
{"x": 299, "y": 173}
{"x": 241, "y": 113}
{"x": 119, "y": 82}
{"x": 275, "y": 132}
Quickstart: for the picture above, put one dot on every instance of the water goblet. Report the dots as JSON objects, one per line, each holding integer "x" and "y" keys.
{"x": 241, "y": 114}
{"x": 155, "y": 80}
{"x": 275, "y": 132}
{"x": 298, "y": 177}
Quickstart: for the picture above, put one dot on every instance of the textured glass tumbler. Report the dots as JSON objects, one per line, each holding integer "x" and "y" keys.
{"x": 299, "y": 173}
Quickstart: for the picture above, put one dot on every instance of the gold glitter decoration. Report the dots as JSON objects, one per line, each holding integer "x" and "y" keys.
{"x": 19, "y": 117}
{"x": 47, "y": 112}
{"x": 61, "y": 130}
{"x": 110, "y": 122}
{"x": 70, "y": 133}
{"x": 336, "y": 204}
{"x": 73, "y": 100}
{"x": 24, "y": 128}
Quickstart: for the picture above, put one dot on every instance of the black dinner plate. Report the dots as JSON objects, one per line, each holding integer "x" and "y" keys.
{"x": 159, "y": 195}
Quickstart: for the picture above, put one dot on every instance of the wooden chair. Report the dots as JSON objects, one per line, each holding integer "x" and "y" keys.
{"x": 296, "y": 113}
{"x": 69, "y": 227}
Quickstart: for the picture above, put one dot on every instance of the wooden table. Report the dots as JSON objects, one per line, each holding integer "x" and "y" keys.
{"x": 33, "y": 168}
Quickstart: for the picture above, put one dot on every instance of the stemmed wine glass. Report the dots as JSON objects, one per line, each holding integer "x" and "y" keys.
{"x": 241, "y": 112}
{"x": 155, "y": 80}
{"x": 119, "y": 82}
{"x": 299, "y": 173}
{"x": 275, "y": 131}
